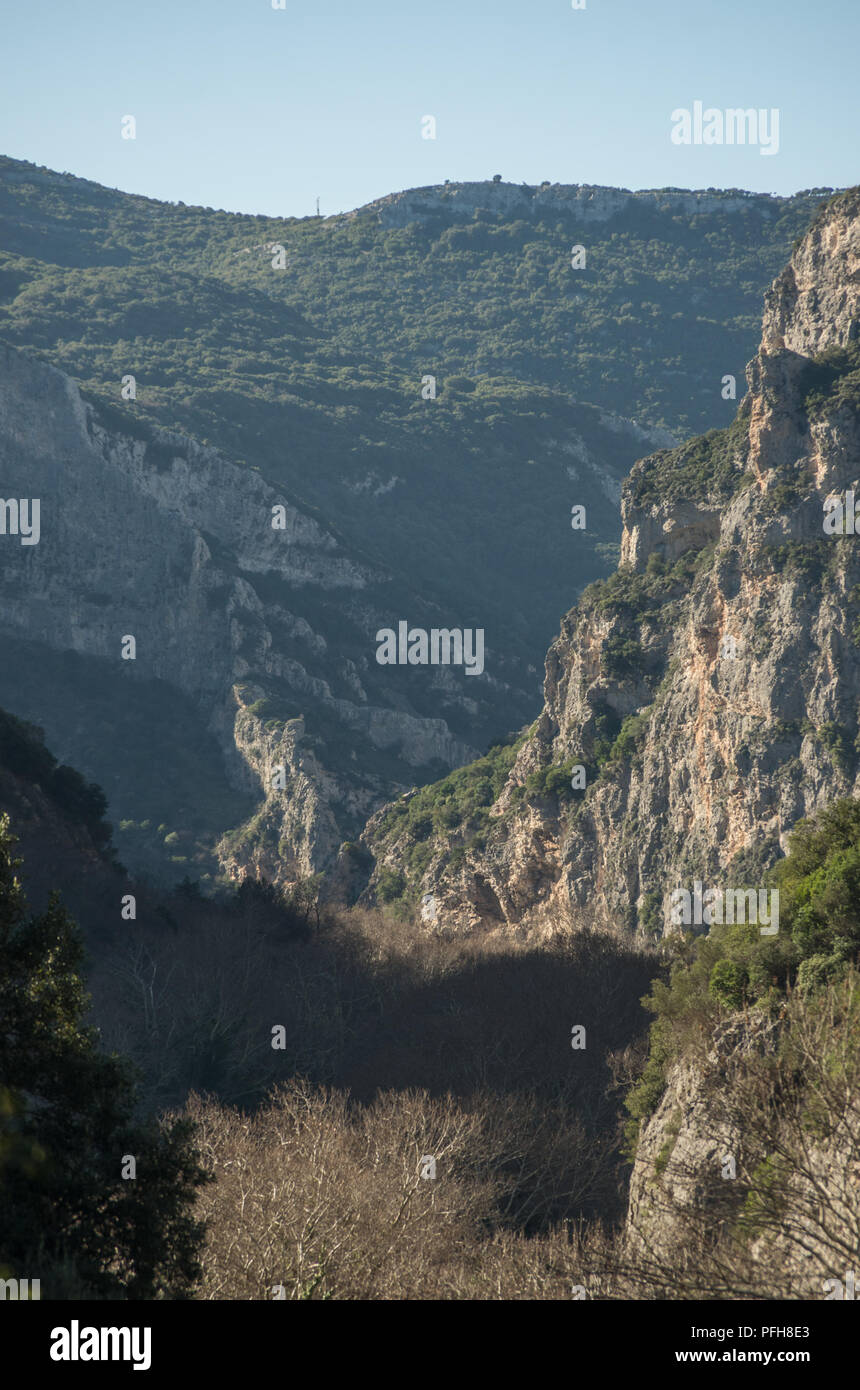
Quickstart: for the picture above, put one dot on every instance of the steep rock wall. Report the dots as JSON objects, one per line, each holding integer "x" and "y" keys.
{"x": 726, "y": 641}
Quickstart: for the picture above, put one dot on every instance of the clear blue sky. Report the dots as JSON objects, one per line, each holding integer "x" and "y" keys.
{"x": 248, "y": 108}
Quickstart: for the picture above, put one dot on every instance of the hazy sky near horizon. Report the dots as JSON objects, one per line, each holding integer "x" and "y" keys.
{"x": 249, "y": 108}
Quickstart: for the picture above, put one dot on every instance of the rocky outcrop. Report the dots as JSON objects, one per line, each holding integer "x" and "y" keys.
{"x": 734, "y": 1180}
{"x": 589, "y": 203}
{"x": 148, "y": 535}
{"x": 708, "y": 692}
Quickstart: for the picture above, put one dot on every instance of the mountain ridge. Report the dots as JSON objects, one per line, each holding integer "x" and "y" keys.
{"x": 249, "y": 382}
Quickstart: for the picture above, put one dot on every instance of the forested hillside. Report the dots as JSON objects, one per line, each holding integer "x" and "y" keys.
{"x": 470, "y": 281}
{"x": 300, "y": 345}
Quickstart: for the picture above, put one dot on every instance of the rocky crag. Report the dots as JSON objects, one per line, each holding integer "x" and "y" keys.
{"x": 152, "y": 536}
{"x": 707, "y": 693}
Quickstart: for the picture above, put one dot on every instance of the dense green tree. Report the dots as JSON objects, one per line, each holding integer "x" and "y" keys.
{"x": 68, "y": 1125}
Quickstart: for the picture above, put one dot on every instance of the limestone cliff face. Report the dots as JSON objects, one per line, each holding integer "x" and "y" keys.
{"x": 150, "y": 535}
{"x": 709, "y": 690}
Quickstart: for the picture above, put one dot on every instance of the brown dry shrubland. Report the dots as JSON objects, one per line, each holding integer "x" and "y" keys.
{"x": 403, "y": 1045}
{"x": 323, "y": 1200}
{"x": 400, "y": 1045}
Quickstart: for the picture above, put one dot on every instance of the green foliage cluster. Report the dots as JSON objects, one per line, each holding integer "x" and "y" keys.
{"x": 802, "y": 560}
{"x": 831, "y": 381}
{"x": 390, "y": 886}
{"x": 457, "y": 807}
{"x": 840, "y": 744}
{"x": 607, "y": 727}
{"x": 274, "y": 711}
{"x": 552, "y": 780}
{"x": 650, "y": 914}
{"x": 630, "y": 737}
{"x": 616, "y": 742}
{"x": 734, "y": 967}
{"x": 809, "y": 561}
{"x": 648, "y": 597}
{"x": 621, "y": 656}
{"x": 783, "y": 497}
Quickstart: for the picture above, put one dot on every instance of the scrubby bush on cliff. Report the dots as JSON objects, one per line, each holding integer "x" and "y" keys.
{"x": 831, "y": 381}
{"x": 709, "y": 467}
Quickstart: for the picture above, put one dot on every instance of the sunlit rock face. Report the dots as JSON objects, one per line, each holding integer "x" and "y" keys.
{"x": 727, "y": 641}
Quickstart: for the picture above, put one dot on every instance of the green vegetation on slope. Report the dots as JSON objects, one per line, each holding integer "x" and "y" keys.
{"x": 708, "y": 468}
{"x": 455, "y": 808}
{"x": 481, "y": 297}
{"x": 735, "y": 967}
{"x": 831, "y": 381}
